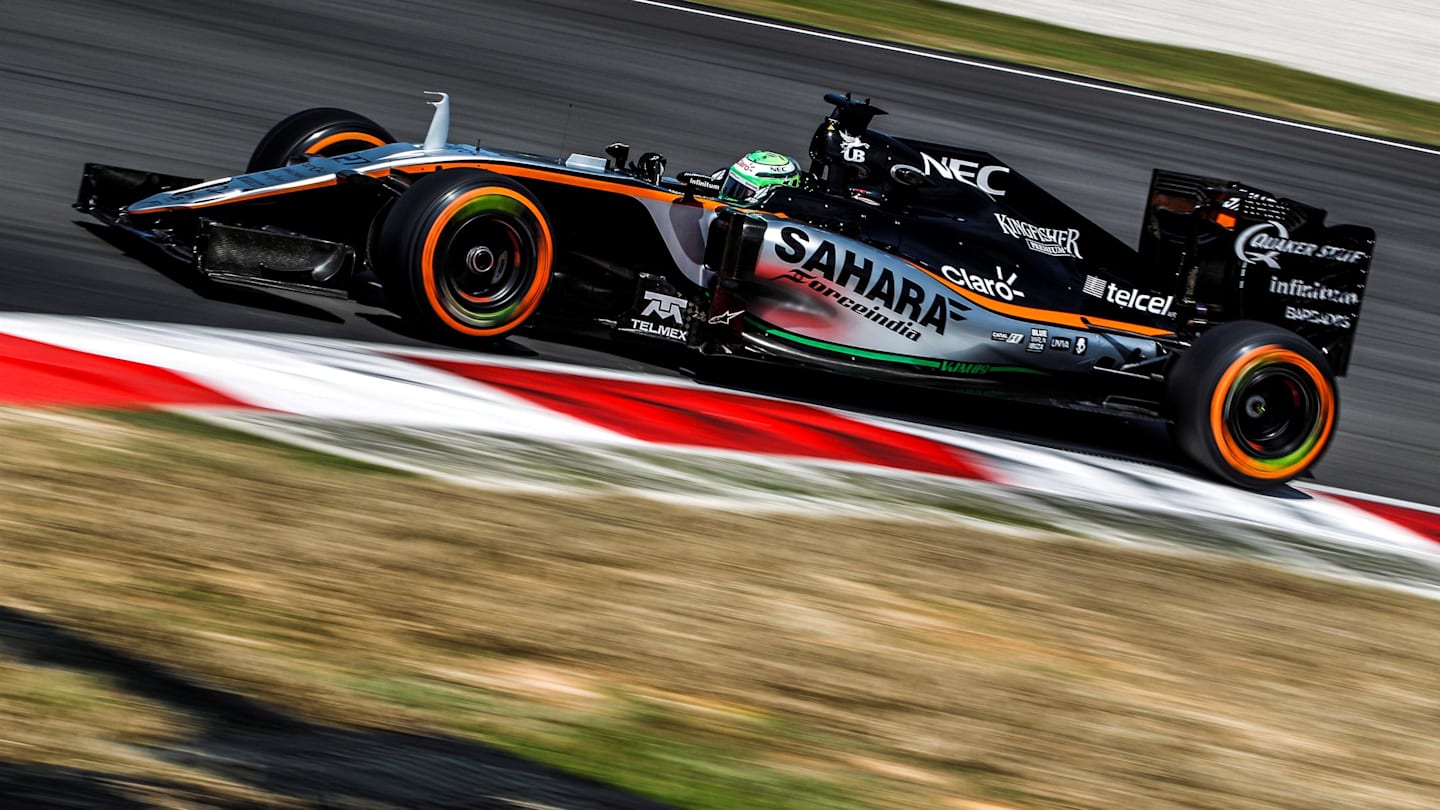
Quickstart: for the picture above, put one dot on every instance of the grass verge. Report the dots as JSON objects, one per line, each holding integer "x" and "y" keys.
{"x": 409, "y": 630}
{"x": 1232, "y": 80}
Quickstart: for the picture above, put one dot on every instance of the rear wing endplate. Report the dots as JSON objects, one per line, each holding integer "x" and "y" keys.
{"x": 1237, "y": 252}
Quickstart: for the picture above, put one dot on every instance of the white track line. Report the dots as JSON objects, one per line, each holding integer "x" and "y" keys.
{"x": 1033, "y": 74}
{"x": 1365, "y": 496}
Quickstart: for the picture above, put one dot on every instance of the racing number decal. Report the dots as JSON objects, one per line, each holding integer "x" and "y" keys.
{"x": 1223, "y": 401}
{"x": 480, "y": 201}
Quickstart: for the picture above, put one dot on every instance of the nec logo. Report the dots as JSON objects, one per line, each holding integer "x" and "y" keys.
{"x": 664, "y": 306}
{"x": 968, "y": 172}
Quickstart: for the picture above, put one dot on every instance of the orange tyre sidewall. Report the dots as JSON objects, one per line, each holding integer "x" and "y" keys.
{"x": 531, "y": 299}
{"x": 1230, "y": 450}
{"x": 342, "y": 137}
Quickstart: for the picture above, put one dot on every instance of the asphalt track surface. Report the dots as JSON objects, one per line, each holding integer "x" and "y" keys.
{"x": 188, "y": 86}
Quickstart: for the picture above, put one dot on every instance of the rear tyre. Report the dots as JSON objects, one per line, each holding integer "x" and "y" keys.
{"x": 466, "y": 251}
{"x": 323, "y": 131}
{"x": 1253, "y": 403}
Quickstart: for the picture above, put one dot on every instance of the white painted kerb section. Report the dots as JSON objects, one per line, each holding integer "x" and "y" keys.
{"x": 1390, "y": 44}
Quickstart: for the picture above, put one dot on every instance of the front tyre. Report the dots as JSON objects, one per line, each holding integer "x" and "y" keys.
{"x": 1253, "y": 403}
{"x": 318, "y": 132}
{"x": 466, "y": 251}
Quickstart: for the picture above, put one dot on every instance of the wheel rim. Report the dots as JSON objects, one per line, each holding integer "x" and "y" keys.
{"x": 487, "y": 261}
{"x": 1275, "y": 410}
{"x": 487, "y": 265}
{"x": 1272, "y": 413}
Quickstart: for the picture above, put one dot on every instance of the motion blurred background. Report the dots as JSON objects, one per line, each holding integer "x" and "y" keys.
{"x": 1385, "y": 45}
{"x": 193, "y": 617}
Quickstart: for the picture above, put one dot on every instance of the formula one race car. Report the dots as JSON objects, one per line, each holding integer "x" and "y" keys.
{"x": 887, "y": 258}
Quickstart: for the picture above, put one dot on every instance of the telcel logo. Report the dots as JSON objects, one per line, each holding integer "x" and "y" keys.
{"x": 1130, "y": 299}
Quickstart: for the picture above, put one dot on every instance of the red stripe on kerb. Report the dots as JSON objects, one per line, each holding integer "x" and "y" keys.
{"x": 38, "y": 374}
{"x": 666, "y": 414}
{"x": 1423, "y": 523}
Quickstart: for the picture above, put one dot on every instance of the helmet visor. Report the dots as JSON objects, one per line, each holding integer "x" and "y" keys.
{"x": 738, "y": 188}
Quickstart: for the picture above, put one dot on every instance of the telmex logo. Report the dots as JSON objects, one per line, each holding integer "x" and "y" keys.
{"x": 1263, "y": 244}
{"x": 664, "y": 306}
{"x": 965, "y": 171}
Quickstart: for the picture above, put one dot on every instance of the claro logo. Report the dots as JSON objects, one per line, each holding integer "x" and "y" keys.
{"x": 998, "y": 287}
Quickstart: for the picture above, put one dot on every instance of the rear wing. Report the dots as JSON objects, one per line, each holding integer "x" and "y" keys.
{"x": 1235, "y": 252}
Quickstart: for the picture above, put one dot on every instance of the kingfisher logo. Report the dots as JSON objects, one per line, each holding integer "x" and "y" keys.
{"x": 1050, "y": 241}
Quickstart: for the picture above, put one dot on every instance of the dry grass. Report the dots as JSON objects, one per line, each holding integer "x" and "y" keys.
{"x": 705, "y": 658}
{"x": 1246, "y": 83}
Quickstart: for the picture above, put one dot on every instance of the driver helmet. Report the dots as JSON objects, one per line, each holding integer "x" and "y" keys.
{"x": 757, "y": 173}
